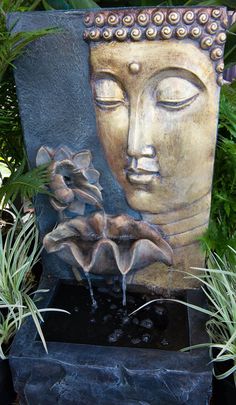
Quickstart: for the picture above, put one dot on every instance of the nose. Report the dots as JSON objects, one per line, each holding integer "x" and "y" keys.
{"x": 139, "y": 142}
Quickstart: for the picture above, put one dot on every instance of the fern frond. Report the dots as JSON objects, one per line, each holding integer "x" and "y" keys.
{"x": 26, "y": 185}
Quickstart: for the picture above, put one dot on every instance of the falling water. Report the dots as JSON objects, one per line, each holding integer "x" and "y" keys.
{"x": 94, "y": 302}
{"x": 124, "y": 289}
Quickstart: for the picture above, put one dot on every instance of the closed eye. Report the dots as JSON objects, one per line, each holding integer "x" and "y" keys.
{"x": 108, "y": 93}
{"x": 177, "y": 104}
{"x": 108, "y": 102}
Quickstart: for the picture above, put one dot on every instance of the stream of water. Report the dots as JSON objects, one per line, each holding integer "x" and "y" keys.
{"x": 124, "y": 289}
{"x": 94, "y": 302}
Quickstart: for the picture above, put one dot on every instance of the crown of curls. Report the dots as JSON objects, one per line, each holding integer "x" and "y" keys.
{"x": 206, "y": 26}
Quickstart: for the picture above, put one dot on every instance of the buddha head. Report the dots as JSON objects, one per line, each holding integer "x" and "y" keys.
{"x": 155, "y": 76}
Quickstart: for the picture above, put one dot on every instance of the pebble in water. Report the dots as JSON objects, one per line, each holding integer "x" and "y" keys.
{"x": 135, "y": 321}
{"x": 136, "y": 341}
{"x": 161, "y": 316}
{"x": 146, "y": 338}
{"x": 114, "y": 337}
{"x": 107, "y": 317}
{"x": 147, "y": 323}
{"x": 159, "y": 310}
{"x": 126, "y": 320}
{"x": 130, "y": 300}
{"x": 116, "y": 289}
{"x": 103, "y": 290}
{"x": 164, "y": 342}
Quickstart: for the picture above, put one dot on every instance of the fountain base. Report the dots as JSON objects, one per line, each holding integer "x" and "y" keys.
{"x": 81, "y": 374}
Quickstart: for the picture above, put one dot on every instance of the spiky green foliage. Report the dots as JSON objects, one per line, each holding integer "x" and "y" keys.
{"x": 19, "y": 252}
{"x": 12, "y": 154}
{"x": 11, "y": 141}
{"x": 24, "y": 184}
{"x": 222, "y": 228}
{"x": 13, "y": 43}
{"x": 219, "y": 286}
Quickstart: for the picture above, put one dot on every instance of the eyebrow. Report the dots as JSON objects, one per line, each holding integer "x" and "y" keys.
{"x": 181, "y": 73}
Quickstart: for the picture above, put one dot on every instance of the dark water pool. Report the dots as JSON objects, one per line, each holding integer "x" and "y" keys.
{"x": 159, "y": 325}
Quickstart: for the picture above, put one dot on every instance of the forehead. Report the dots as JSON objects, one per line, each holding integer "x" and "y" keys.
{"x": 153, "y": 57}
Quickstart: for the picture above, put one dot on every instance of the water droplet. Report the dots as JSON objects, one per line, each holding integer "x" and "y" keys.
{"x": 147, "y": 323}
{"x": 92, "y": 320}
{"x": 76, "y": 309}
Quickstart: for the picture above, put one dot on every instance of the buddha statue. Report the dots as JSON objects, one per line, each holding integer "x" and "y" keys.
{"x": 156, "y": 76}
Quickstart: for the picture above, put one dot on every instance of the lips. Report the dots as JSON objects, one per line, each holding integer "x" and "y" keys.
{"x": 142, "y": 170}
{"x": 141, "y": 176}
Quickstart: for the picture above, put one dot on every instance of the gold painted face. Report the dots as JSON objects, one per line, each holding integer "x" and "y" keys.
{"x": 156, "y": 109}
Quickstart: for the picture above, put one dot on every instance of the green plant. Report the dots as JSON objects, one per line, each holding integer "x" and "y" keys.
{"x": 22, "y": 181}
{"x": 19, "y": 252}
{"x": 222, "y": 227}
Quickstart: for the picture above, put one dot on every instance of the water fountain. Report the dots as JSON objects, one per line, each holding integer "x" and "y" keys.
{"x": 122, "y": 105}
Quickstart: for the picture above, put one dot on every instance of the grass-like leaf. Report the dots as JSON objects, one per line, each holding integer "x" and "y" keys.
{"x": 19, "y": 252}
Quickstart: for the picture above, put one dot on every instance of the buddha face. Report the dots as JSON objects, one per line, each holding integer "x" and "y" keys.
{"x": 156, "y": 109}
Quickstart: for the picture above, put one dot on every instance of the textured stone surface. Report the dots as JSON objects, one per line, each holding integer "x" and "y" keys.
{"x": 7, "y": 394}
{"x": 83, "y": 374}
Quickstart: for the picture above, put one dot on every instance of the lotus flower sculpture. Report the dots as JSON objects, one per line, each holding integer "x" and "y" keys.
{"x": 74, "y": 181}
{"x": 104, "y": 244}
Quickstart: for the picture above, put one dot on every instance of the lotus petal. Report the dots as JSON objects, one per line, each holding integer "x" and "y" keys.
{"x": 44, "y": 155}
{"x": 99, "y": 246}
{"x": 91, "y": 175}
{"x": 60, "y": 190}
{"x": 86, "y": 197}
{"x": 57, "y": 205}
{"x": 82, "y": 159}
{"x": 62, "y": 153}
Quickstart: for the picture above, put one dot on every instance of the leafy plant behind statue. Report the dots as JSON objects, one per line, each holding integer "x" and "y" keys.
{"x": 222, "y": 227}
{"x": 12, "y": 152}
